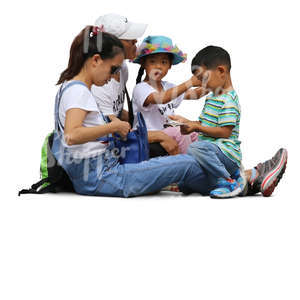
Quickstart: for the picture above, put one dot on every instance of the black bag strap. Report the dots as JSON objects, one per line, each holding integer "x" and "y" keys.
{"x": 130, "y": 109}
{"x": 34, "y": 188}
{"x": 53, "y": 187}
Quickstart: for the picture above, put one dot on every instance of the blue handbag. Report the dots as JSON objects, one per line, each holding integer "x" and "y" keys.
{"x": 136, "y": 147}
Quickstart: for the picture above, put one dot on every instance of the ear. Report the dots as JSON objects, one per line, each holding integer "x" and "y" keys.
{"x": 96, "y": 59}
{"x": 222, "y": 71}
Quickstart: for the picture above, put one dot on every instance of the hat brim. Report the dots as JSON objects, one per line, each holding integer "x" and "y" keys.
{"x": 134, "y": 31}
{"x": 177, "y": 59}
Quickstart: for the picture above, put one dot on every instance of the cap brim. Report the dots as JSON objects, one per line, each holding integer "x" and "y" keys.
{"x": 134, "y": 31}
{"x": 177, "y": 59}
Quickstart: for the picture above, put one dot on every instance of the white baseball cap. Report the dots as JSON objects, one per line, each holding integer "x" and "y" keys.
{"x": 121, "y": 27}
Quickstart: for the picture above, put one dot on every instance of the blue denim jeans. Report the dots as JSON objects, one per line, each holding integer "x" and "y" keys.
{"x": 103, "y": 175}
{"x": 212, "y": 159}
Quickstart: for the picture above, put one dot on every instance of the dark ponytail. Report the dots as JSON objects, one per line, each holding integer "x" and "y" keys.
{"x": 88, "y": 42}
{"x": 140, "y": 75}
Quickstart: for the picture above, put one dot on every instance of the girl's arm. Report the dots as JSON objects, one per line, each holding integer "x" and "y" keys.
{"x": 75, "y": 133}
{"x": 195, "y": 94}
{"x": 155, "y": 136}
{"x": 168, "y": 143}
{"x": 166, "y": 96}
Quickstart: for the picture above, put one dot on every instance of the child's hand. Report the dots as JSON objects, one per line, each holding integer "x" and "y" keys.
{"x": 170, "y": 145}
{"x": 196, "y": 93}
{"x": 195, "y": 81}
{"x": 187, "y": 128}
{"x": 200, "y": 92}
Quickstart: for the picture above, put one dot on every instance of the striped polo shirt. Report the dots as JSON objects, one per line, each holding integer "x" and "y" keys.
{"x": 219, "y": 111}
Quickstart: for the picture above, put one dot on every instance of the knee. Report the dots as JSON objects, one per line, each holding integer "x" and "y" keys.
{"x": 199, "y": 146}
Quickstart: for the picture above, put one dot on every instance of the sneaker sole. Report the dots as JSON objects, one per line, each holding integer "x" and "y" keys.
{"x": 272, "y": 179}
{"x": 234, "y": 193}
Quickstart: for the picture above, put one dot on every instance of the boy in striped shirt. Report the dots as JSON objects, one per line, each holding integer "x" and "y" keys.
{"x": 218, "y": 148}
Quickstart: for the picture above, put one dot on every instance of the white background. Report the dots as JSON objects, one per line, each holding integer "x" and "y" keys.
{"x": 155, "y": 247}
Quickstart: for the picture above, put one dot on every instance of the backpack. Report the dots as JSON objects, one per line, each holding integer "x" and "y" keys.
{"x": 54, "y": 178}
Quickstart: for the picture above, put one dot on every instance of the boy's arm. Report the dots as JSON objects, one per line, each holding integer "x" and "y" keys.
{"x": 196, "y": 126}
{"x": 216, "y": 132}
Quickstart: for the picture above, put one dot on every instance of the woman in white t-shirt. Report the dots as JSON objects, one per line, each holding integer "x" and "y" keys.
{"x": 156, "y": 99}
{"x": 89, "y": 161}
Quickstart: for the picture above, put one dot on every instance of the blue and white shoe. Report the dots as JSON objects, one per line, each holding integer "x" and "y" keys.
{"x": 240, "y": 178}
{"x": 226, "y": 188}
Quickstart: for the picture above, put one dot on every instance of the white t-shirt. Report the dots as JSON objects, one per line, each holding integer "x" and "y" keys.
{"x": 155, "y": 115}
{"x": 110, "y": 97}
{"x": 79, "y": 96}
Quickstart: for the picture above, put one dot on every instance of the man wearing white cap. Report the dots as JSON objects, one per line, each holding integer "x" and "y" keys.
{"x": 110, "y": 97}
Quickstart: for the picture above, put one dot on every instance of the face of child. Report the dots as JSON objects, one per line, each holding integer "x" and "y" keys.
{"x": 157, "y": 66}
{"x": 102, "y": 70}
{"x": 213, "y": 79}
{"x": 130, "y": 48}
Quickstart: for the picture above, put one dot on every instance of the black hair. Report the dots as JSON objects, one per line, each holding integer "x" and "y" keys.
{"x": 141, "y": 69}
{"x": 211, "y": 57}
{"x": 140, "y": 74}
{"x": 88, "y": 42}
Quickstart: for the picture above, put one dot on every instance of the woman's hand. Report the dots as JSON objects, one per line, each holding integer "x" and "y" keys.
{"x": 120, "y": 127}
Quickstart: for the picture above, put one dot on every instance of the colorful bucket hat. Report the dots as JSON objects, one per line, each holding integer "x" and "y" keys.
{"x": 159, "y": 44}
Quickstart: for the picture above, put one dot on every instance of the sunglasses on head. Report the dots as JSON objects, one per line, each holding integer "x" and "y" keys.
{"x": 114, "y": 69}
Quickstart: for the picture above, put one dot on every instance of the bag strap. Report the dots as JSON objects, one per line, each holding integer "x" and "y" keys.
{"x": 141, "y": 120}
{"x": 58, "y": 124}
{"x": 34, "y": 188}
{"x": 130, "y": 109}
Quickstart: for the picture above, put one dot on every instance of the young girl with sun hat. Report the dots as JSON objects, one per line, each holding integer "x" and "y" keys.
{"x": 155, "y": 98}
